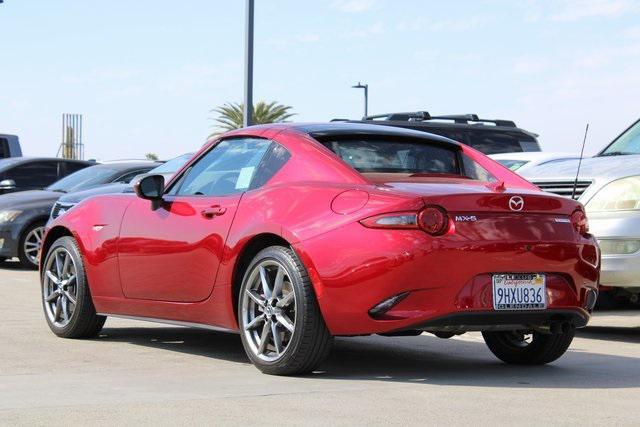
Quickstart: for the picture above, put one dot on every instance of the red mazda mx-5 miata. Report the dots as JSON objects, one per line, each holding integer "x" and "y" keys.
{"x": 292, "y": 234}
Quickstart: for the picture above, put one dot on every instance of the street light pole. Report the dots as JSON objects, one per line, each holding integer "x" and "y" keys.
{"x": 366, "y": 96}
{"x": 248, "y": 66}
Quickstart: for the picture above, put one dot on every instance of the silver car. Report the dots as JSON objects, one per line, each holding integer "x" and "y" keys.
{"x": 609, "y": 186}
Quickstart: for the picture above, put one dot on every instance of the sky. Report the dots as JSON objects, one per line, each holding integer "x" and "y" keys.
{"x": 146, "y": 74}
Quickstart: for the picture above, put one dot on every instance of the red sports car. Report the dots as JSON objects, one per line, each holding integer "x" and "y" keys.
{"x": 292, "y": 234}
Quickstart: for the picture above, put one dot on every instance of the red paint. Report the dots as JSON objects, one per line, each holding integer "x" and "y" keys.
{"x": 178, "y": 262}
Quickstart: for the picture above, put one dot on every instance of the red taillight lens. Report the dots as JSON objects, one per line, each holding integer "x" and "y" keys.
{"x": 433, "y": 220}
{"x": 580, "y": 222}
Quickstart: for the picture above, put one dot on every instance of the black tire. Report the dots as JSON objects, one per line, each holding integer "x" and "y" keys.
{"x": 24, "y": 258}
{"x": 310, "y": 342}
{"x": 83, "y": 321}
{"x": 541, "y": 349}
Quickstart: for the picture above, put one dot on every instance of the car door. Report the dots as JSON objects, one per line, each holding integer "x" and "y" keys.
{"x": 173, "y": 253}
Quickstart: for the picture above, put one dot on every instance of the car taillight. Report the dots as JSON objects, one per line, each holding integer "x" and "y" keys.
{"x": 402, "y": 220}
{"x": 580, "y": 222}
{"x": 432, "y": 219}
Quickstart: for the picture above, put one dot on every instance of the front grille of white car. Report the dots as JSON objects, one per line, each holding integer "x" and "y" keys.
{"x": 564, "y": 188}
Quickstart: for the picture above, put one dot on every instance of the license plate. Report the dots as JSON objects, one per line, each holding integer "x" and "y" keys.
{"x": 518, "y": 291}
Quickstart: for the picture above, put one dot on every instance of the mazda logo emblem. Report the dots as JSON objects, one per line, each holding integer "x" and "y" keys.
{"x": 516, "y": 203}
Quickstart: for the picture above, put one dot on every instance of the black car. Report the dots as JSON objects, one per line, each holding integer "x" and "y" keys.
{"x": 24, "y": 214}
{"x": 486, "y": 136}
{"x": 68, "y": 201}
{"x": 35, "y": 173}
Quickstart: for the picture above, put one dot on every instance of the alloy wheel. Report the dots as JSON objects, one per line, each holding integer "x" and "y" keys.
{"x": 60, "y": 290}
{"x": 33, "y": 243}
{"x": 268, "y": 310}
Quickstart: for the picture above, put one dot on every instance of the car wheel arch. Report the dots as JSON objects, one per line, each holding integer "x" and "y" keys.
{"x": 52, "y": 235}
{"x": 249, "y": 250}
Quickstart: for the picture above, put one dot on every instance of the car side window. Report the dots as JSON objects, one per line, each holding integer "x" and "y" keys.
{"x": 71, "y": 167}
{"x": 34, "y": 174}
{"x": 226, "y": 169}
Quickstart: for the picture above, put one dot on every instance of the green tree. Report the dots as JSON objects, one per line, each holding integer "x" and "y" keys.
{"x": 231, "y": 115}
{"x": 151, "y": 156}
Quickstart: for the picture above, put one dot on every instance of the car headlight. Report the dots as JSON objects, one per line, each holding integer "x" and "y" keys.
{"x": 620, "y": 195}
{"x": 8, "y": 215}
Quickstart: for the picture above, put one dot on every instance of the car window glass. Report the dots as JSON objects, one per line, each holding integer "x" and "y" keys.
{"x": 393, "y": 156}
{"x": 273, "y": 160}
{"x": 227, "y": 169}
{"x": 627, "y": 143}
{"x": 474, "y": 171}
{"x": 71, "y": 167}
{"x": 34, "y": 174}
{"x": 84, "y": 179}
{"x": 126, "y": 178}
{"x": 4, "y": 148}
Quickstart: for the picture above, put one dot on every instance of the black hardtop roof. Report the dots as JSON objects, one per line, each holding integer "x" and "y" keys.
{"x": 347, "y": 129}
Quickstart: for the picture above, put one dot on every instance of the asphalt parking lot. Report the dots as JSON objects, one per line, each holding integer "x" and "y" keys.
{"x": 144, "y": 373}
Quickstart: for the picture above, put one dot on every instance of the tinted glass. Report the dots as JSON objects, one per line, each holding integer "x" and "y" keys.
{"x": 226, "y": 169}
{"x": 490, "y": 142}
{"x": 34, "y": 174}
{"x": 474, "y": 171}
{"x": 273, "y": 160}
{"x": 388, "y": 156}
{"x": 71, "y": 167}
{"x": 84, "y": 179}
{"x": 627, "y": 143}
{"x": 4, "y": 148}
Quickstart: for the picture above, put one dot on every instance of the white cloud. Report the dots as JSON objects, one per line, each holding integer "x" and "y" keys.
{"x": 372, "y": 30}
{"x": 461, "y": 25}
{"x": 352, "y": 6}
{"x": 530, "y": 65}
{"x": 574, "y": 10}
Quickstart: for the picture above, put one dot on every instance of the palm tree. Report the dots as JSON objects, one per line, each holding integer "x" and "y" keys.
{"x": 231, "y": 115}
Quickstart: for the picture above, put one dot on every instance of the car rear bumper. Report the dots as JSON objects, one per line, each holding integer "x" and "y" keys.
{"x": 354, "y": 269}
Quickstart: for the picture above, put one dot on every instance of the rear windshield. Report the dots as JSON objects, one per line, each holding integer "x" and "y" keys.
{"x": 384, "y": 156}
{"x": 490, "y": 141}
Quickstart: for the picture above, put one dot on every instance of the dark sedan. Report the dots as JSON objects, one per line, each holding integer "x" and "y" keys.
{"x": 23, "y": 214}
{"x": 68, "y": 201}
{"x": 35, "y": 173}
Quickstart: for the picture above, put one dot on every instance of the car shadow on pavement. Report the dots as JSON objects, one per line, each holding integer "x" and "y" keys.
{"x": 423, "y": 359}
{"x": 608, "y": 333}
{"x": 12, "y": 265}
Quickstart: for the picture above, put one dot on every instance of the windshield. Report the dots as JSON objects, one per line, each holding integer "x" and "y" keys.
{"x": 512, "y": 164}
{"x": 83, "y": 179}
{"x": 627, "y": 143}
{"x": 172, "y": 165}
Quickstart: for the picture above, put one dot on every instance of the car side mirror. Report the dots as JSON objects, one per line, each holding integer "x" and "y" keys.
{"x": 7, "y": 184}
{"x": 150, "y": 187}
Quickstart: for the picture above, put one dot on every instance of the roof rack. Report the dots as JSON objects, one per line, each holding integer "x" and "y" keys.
{"x": 420, "y": 116}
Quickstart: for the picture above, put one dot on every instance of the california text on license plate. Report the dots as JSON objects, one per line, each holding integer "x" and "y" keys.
{"x": 519, "y": 291}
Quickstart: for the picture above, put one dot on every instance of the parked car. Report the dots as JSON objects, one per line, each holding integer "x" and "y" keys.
{"x": 24, "y": 214}
{"x": 486, "y": 136}
{"x": 35, "y": 173}
{"x": 609, "y": 186}
{"x": 291, "y": 234}
{"x": 68, "y": 201}
{"x": 521, "y": 162}
{"x": 9, "y": 146}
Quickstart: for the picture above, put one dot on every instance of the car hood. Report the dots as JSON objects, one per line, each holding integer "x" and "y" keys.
{"x": 78, "y": 196}
{"x": 28, "y": 199}
{"x": 608, "y": 167}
